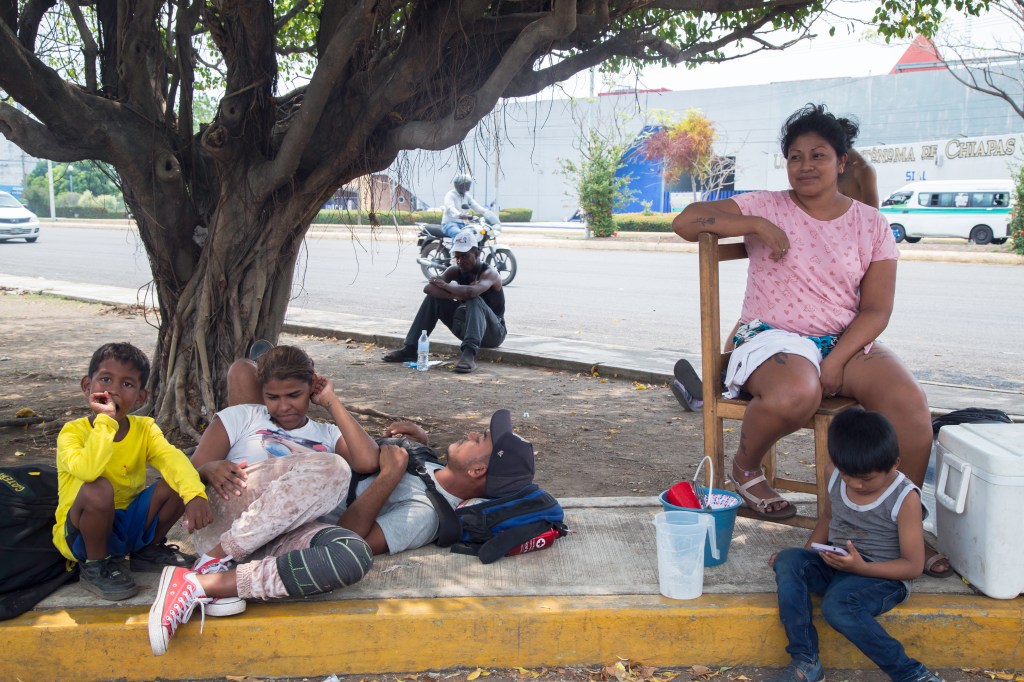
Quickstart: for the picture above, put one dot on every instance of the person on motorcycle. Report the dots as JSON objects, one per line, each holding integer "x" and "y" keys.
{"x": 456, "y": 202}
{"x": 468, "y": 298}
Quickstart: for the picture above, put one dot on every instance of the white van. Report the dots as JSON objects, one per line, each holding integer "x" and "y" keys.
{"x": 977, "y": 210}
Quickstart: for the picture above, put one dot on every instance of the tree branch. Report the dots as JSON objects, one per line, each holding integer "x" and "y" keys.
{"x": 556, "y": 25}
{"x": 33, "y": 137}
{"x": 57, "y": 105}
{"x": 644, "y": 48}
{"x": 292, "y": 12}
{"x": 28, "y": 22}
{"x": 357, "y": 23}
{"x": 89, "y": 51}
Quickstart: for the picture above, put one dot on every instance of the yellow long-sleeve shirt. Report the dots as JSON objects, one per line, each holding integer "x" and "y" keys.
{"x": 87, "y": 451}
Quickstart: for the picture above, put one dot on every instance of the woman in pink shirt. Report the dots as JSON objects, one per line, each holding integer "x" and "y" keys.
{"x": 820, "y": 288}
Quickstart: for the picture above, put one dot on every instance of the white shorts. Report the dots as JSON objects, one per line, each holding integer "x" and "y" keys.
{"x": 758, "y": 349}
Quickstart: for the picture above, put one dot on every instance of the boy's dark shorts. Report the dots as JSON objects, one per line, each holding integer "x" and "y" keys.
{"x": 130, "y": 533}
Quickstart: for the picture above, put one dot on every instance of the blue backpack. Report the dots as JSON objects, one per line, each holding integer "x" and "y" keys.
{"x": 490, "y": 530}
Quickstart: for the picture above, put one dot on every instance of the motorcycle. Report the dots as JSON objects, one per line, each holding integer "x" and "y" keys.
{"x": 436, "y": 249}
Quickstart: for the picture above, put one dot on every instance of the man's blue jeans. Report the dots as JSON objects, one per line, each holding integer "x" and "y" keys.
{"x": 850, "y": 604}
{"x": 453, "y": 228}
{"x": 472, "y": 321}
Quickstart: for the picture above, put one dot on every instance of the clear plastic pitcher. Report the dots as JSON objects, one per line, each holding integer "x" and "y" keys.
{"x": 680, "y": 537}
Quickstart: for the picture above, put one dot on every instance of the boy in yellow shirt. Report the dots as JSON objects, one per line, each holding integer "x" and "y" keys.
{"x": 105, "y": 510}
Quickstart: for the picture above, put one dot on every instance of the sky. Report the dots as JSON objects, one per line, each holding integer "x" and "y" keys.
{"x": 852, "y": 52}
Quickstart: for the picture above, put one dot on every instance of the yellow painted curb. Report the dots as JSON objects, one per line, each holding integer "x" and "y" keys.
{"x": 395, "y": 635}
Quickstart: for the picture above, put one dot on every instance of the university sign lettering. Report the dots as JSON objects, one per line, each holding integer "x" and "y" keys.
{"x": 951, "y": 149}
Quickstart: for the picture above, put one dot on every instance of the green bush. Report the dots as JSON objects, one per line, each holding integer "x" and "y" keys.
{"x": 86, "y": 212}
{"x": 346, "y": 217}
{"x": 427, "y": 217}
{"x": 1017, "y": 219}
{"x": 638, "y": 222}
{"x": 515, "y": 215}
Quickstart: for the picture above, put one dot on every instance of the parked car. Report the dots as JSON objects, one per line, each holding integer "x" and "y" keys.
{"x": 976, "y": 210}
{"x": 16, "y": 221}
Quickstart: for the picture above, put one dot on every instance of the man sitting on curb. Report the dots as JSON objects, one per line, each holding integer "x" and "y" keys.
{"x": 468, "y": 298}
{"x": 392, "y": 510}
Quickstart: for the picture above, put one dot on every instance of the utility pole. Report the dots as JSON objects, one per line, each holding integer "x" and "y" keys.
{"x": 49, "y": 177}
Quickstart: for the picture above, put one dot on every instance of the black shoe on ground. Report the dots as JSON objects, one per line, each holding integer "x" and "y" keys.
{"x": 687, "y": 387}
{"x": 403, "y": 354}
{"x": 467, "y": 363}
{"x": 153, "y": 558}
{"x": 107, "y": 579}
{"x": 258, "y": 348}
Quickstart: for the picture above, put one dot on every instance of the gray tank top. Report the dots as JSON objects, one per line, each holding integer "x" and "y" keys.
{"x": 872, "y": 527}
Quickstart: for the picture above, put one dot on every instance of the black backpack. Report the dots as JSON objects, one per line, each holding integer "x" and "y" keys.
{"x": 30, "y": 566}
{"x": 491, "y": 529}
{"x": 970, "y": 415}
{"x": 488, "y": 530}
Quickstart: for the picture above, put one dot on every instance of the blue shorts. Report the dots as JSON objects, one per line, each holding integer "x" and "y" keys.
{"x": 130, "y": 532}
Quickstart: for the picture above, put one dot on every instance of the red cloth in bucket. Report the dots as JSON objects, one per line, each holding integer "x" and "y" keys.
{"x": 683, "y": 495}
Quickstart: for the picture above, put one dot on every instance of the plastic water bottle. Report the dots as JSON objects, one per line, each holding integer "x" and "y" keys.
{"x": 423, "y": 352}
{"x": 928, "y": 490}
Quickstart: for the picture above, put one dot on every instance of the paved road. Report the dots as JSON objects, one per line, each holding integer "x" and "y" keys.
{"x": 954, "y": 322}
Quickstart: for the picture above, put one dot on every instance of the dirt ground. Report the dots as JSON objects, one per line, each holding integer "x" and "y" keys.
{"x": 594, "y": 436}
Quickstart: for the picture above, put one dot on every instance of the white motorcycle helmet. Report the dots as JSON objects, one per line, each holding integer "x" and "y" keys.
{"x": 462, "y": 182}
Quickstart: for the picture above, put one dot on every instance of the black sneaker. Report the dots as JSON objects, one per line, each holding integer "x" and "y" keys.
{"x": 108, "y": 579}
{"x": 403, "y": 354}
{"x": 153, "y": 558}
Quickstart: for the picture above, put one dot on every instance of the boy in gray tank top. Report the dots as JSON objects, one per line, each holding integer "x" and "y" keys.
{"x": 875, "y": 519}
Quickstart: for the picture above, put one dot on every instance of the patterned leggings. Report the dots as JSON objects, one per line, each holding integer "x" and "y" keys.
{"x": 271, "y": 524}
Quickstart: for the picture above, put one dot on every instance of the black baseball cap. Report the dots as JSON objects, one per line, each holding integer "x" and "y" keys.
{"x": 511, "y": 466}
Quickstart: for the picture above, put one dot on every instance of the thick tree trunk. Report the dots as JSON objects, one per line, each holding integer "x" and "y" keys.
{"x": 238, "y": 292}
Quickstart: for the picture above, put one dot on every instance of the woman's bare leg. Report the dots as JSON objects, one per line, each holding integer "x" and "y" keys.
{"x": 881, "y": 382}
{"x": 243, "y": 384}
{"x": 786, "y": 391}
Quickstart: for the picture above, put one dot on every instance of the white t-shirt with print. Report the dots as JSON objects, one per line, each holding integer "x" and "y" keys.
{"x": 254, "y": 437}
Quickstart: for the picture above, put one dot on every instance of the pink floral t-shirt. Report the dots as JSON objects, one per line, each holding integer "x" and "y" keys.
{"x": 815, "y": 288}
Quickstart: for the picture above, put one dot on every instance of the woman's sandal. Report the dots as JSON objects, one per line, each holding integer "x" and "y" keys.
{"x": 760, "y": 504}
{"x": 929, "y": 566}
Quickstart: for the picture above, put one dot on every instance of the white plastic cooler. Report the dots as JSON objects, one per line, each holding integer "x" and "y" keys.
{"x": 980, "y": 505}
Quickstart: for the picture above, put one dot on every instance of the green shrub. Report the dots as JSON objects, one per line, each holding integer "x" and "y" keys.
{"x": 515, "y": 215}
{"x": 639, "y": 222}
{"x": 427, "y": 217}
{"x": 599, "y": 190}
{"x": 346, "y": 217}
{"x": 1017, "y": 219}
{"x": 87, "y": 212}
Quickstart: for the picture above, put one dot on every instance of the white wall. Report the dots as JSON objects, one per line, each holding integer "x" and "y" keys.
{"x": 900, "y": 111}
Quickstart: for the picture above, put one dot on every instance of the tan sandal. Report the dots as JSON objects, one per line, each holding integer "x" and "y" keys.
{"x": 760, "y": 504}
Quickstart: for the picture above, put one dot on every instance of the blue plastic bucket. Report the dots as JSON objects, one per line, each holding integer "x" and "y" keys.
{"x": 725, "y": 521}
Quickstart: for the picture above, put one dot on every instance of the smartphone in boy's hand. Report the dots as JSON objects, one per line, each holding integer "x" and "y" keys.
{"x": 829, "y": 548}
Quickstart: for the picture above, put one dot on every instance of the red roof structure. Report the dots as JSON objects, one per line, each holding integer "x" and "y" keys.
{"x": 922, "y": 55}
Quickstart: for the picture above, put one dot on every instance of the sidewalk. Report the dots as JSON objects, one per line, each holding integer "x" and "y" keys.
{"x": 589, "y": 599}
{"x": 639, "y": 364}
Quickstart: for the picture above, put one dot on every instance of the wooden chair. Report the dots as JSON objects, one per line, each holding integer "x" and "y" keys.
{"x": 717, "y": 409}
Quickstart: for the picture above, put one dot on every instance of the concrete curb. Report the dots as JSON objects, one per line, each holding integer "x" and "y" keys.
{"x": 398, "y": 635}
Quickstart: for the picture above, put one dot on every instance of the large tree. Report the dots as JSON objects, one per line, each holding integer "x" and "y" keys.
{"x": 222, "y": 212}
